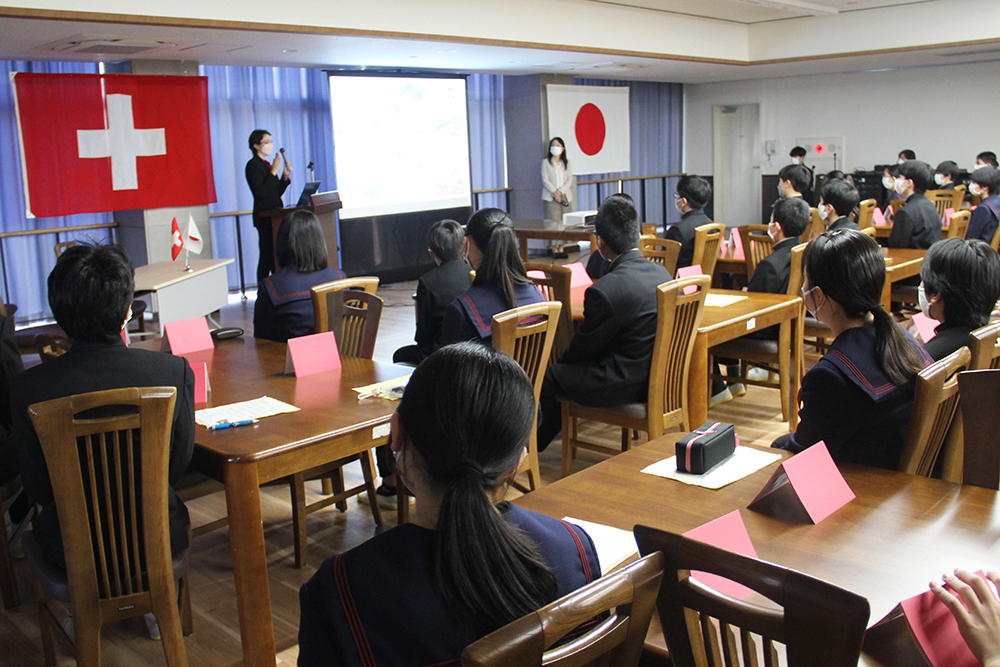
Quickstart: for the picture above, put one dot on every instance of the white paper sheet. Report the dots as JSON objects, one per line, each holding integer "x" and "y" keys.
{"x": 720, "y": 300}
{"x": 614, "y": 545}
{"x": 389, "y": 389}
{"x": 258, "y": 408}
{"x": 744, "y": 461}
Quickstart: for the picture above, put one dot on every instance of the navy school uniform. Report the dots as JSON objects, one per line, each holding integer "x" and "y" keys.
{"x": 470, "y": 316}
{"x": 683, "y": 232}
{"x": 284, "y": 307}
{"x": 843, "y": 222}
{"x": 983, "y": 223}
{"x": 917, "y": 224}
{"x": 946, "y": 340}
{"x": 376, "y": 604}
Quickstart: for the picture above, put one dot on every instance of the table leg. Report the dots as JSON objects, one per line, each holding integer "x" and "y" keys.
{"x": 246, "y": 538}
{"x": 522, "y": 244}
{"x": 785, "y": 370}
{"x": 698, "y": 383}
{"x": 887, "y": 294}
{"x": 798, "y": 355}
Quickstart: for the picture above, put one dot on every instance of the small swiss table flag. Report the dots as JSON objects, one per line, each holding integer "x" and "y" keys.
{"x": 177, "y": 241}
{"x": 92, "y": 143}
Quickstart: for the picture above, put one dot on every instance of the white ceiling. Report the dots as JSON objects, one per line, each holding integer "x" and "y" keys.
{"x": 757, "y": 11}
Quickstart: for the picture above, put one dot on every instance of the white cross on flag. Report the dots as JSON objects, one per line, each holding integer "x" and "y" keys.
{"x": 177, "y": 241}
{"x": 95, "y": 143}
{"x": 593, "y": 121}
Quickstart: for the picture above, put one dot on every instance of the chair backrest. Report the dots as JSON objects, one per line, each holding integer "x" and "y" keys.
{"x": 108, "y": 469}
{"x": 795, "y": 278}
{"x": 896, "y": 204}
{"x": 661, "y": 251}
{"x": 866, "y": 213}
{"x": 61, "y": 247}
{"x": 354, "y": 318}
{"x": 958, "y": 224}
{"x": 995, "y": 242}
{"x": 757, "y": 245}
{"x": 985, "y": 347}
{"x": 981, "y": 456}
{"x": 820, "y": 624}
{"x": 555, "y": 286}
{"x": 935, "y": 403}
{"x": 527, "y": 333}
{"x": 869, "y": 231}
{"x": 321, "y": 293}
{"x": 648, "y": 229}
{"x": 617, "y": 640}
{"x": 707, "y": 239}
{"x": 945, "y": 199}
{"x": 51, "y": 346}
{"x": 816, "y": 226}
{"x": 678, "y": 316}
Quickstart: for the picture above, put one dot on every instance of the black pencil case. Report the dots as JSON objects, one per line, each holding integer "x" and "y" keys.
{"x": 706, "y": 447}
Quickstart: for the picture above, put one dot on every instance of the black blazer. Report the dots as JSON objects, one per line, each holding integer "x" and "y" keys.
{"x": 916, "y": 225}
{"x": 10, "y": 366}
{"x": 683, "y": 233}
{"x": 947, "y": 340}
{"x": 96, "y": 367}
{"x": 266, "y": 188}
{"x": 607, "y": 361}
{"x": 843, "y": 222}
{"x": 435, "y": 290}
{"x": 772, "y": 272}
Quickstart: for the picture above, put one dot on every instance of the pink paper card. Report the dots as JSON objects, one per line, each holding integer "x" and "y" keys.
{"x": 730, "y": 533}
{"x": 186, "y": 336}
{"x": 925, "y": 326}
{"x": 936, "y": 630}
{"x": 536, "y": 274}
{"x": 124, "y": 337}
{"x": 879, "y": 217}
{"x": 201, "y": 384}
{"x": 579, "y": 277}
{"x": 948, "y": 212}
{"x": 687, "y": 271}
{"x": 738, "y": 245}
{"x": 817, "y": 481}
{"x": 312, "y": 354}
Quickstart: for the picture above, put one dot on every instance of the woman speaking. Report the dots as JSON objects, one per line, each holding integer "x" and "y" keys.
{"x": 557, "y": 181}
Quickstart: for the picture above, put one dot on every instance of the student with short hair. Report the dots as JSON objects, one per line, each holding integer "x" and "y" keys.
{"x": 837, "y": 200}
{"x": 917, "y": 223}
{"x": 436, "y": 289}
{"x": 284, "y": 306}
{"x": 946, "y": 175}
{"x": 986, "y": 159}
{"x": 798, "y": 155}
{"x": 690, "y": 198}
{"x": 597, "y": 266}
{"x": 468, "y": 564}
{"x": 905, "y": 155}
{"x": 960, "y": 283}
{"x": 794, "y": 180}
{"x": 985, "y": 183}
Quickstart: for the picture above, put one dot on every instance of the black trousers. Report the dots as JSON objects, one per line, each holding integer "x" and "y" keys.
{"x": 265, "y": 244}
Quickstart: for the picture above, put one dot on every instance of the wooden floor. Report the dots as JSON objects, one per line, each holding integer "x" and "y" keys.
{"x": 216, "y": 640}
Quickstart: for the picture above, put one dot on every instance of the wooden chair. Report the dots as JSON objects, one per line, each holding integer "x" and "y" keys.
{"x": 555, "y": 286}
{"x": 661, "y": 251}
{"x": 766, "y": 354}
{"x": 980, "y": 465}
{"x": 935, "y": 404}
{"x": 869, "y": 231}
{"x": 995, "y": 242}
{"x": 896, "y": 204}
{"x": 816, "y": 226}
{"x": 60, "y": 248}
{"x": 51, "y": 346}
{"x": 866, "y": 213}
{"x": 648, "y": 229}
{"x": 819, "y": 624}
{"x": 109, "y": 481}
{"x": 958, "y": 224}
{"x": 618, "y": 640}
{"x": 527, "y": 334}
{"x": 321, "y": 295}
{"x": 757, "y": 245}
{"x": 707, "y": 239}
{"x": 984, "y": 344}
{"x": 678, "y": 318}
{"x": 945, "y": 199}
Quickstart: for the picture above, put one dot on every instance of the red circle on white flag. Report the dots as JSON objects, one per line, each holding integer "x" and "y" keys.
{"x": 590, "y": 129}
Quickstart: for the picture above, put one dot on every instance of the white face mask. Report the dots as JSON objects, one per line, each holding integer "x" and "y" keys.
{"x": 805, "y": 295}
{"x": 824, "y": 212}
{"x": 888, "y": 183}
{"x": 900, "y": 186}
{"x": 772, "y": 230}
{"x": 925, "y": 305}
{"x": 974, "y": 189}
{"x": 798, "y": 160}
{"x": 556, "y": 151}
{"x": 939, "y": 179}
{"x": 781, "y": 191}
{"x": 900, "y": 161}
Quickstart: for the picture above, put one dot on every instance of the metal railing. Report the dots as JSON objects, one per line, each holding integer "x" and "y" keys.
{"x": 506, "y": 197}
{"x": 239, "y": 242}
{"x": 642, "y": 190}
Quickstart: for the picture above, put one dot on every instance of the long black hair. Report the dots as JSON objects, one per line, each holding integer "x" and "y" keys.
{"x": 491, "y": 230}
{"x": 300, "y": 242}
{"x": 469, "y": 410}
{"x": 850, "y": 269}
{"x": 562, "y": 156}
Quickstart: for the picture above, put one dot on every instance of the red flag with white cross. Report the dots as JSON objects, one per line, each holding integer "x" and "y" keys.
{"x": 177, "y": 241}
{"x": 92, "y": 143}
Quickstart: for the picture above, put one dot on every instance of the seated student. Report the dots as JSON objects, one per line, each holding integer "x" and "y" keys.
{"x": 90, "y": 293}
{"x": 859, "y": 395}
{"x": 419, "y": 593}
{"x": 436, "y": 289}
{"x": 917, "y": 223}
{"x": 985, "y": 183}
{"x": 889, "y": 176}
{"x": 501, "y": 282}
{"x": 607, "y": 361}
{"x": 692, "y": 194}
{"x": 946, "y": 175}
{"x": 906, "y": 155}
{"x": 960, "y": 284}
{"x": 284, "y": 307}
{"x": 837, "y": 200}
{"x": 10, "y": 480}
{"x": 836, "y": 175}
{"x": 968, "y": 597}
{"x": 986, "y": 159}
{"x": 794, "y": 180}
{"x": 597, "y": 266}
{"x": 798, "y": 156}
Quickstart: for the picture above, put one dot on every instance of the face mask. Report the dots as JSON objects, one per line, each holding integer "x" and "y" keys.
{"x": 901, "y": 186}
{"x": 805, "y": 295}
{"x": 939, "y": 179}
{"x": 781, "y": 191}
{"x": 974, "y": 189}
{"x": 556, "y": 151}
{"x": 888, "y": 183}
{"x": 678, "y": 205}
{"x": 900, "y": 161}
{"x": 797, "y": 160}
{"x": 772, "y": 226}
{"x": 925, "y": 305}
{"x": 824, "y": 213}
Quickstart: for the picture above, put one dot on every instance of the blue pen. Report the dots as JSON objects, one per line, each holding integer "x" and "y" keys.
{"x": 222, "y": 425}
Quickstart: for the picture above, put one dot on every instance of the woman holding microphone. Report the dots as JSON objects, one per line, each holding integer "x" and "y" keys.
{"x": 557, "y": 181}
{"x": 267, "y": 188}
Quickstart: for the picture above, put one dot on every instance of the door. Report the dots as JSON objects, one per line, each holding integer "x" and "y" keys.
{"x": 736, "y": 164}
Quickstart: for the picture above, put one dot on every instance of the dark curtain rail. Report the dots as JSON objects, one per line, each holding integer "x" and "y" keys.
{"x": 597, "y": 183}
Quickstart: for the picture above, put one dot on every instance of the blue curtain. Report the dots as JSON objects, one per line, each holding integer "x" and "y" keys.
{"x": 487, "y": 140}
{"x": 656, "y": 117}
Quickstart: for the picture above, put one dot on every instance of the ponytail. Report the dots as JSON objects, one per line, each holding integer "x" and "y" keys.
{"x": 502, "y": 268}
{"x": 893, "y": 351}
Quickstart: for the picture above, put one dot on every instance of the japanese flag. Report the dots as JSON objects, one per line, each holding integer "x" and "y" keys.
{"x": 194, "y": 241}
{"x": 593, "y": 121}
{"x": 177, "y": 241}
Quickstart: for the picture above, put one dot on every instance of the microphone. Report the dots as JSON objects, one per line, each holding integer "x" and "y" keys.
{"x": 310, "y": 165}
{"x": 282, "y": 151}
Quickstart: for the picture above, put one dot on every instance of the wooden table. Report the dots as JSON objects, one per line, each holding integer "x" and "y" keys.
{"x": 550, "y": 230}
{"x": 902, "y": 263}
{"x": 899, "y": 533}
{"x": 180, "y": 295}
{"x": 331, "y": 424}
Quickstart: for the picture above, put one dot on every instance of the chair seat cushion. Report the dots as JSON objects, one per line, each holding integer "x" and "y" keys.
{"x": 628, "y": 410}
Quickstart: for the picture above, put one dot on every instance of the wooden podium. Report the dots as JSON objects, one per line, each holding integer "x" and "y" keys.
{"x": 324, "y": 206}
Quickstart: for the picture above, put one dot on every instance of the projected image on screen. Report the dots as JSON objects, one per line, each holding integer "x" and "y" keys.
{"x": 401, "y": 144}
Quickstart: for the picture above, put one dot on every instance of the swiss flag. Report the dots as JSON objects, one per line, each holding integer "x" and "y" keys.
{"x": 94, "y": 142}
{"x": 593, "y": 121}
{"x": 177, "y": 241}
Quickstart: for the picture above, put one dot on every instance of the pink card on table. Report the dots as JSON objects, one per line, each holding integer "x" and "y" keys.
{"x": 579, "y": 277}
{"x": 186, "y": 336}
{"x": 818, "y": 482}
{"x": 201, "y": 384}
{"x": 312, "y": 354}
{"x": 925, "y": 326}
{"x": 936, "y": 630}
{"x": 948, "y": 212}
{"x": 730, "y": 533}
{"x": 687, "y": 271}
{"x": 737, "y": 245}
{"x": 879, "y": 217}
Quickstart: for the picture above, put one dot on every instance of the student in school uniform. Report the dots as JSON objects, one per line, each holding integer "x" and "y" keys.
{"x": 795, "y": 180}
{"x": 946, "y": 175}
{"x": 284, "y": 306}
{"x": 986, "y": 159}
{"x": 467, "y": 565}
{"x": 837, "y": 200}
{"x": 917, "y": 223}
{"x": 691, "y": 197}
{"x": 858, "y": 398}
{"x": 985, "y": 183}
{"x": 960, "y": 283}
{"x": 501, "y": 282}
